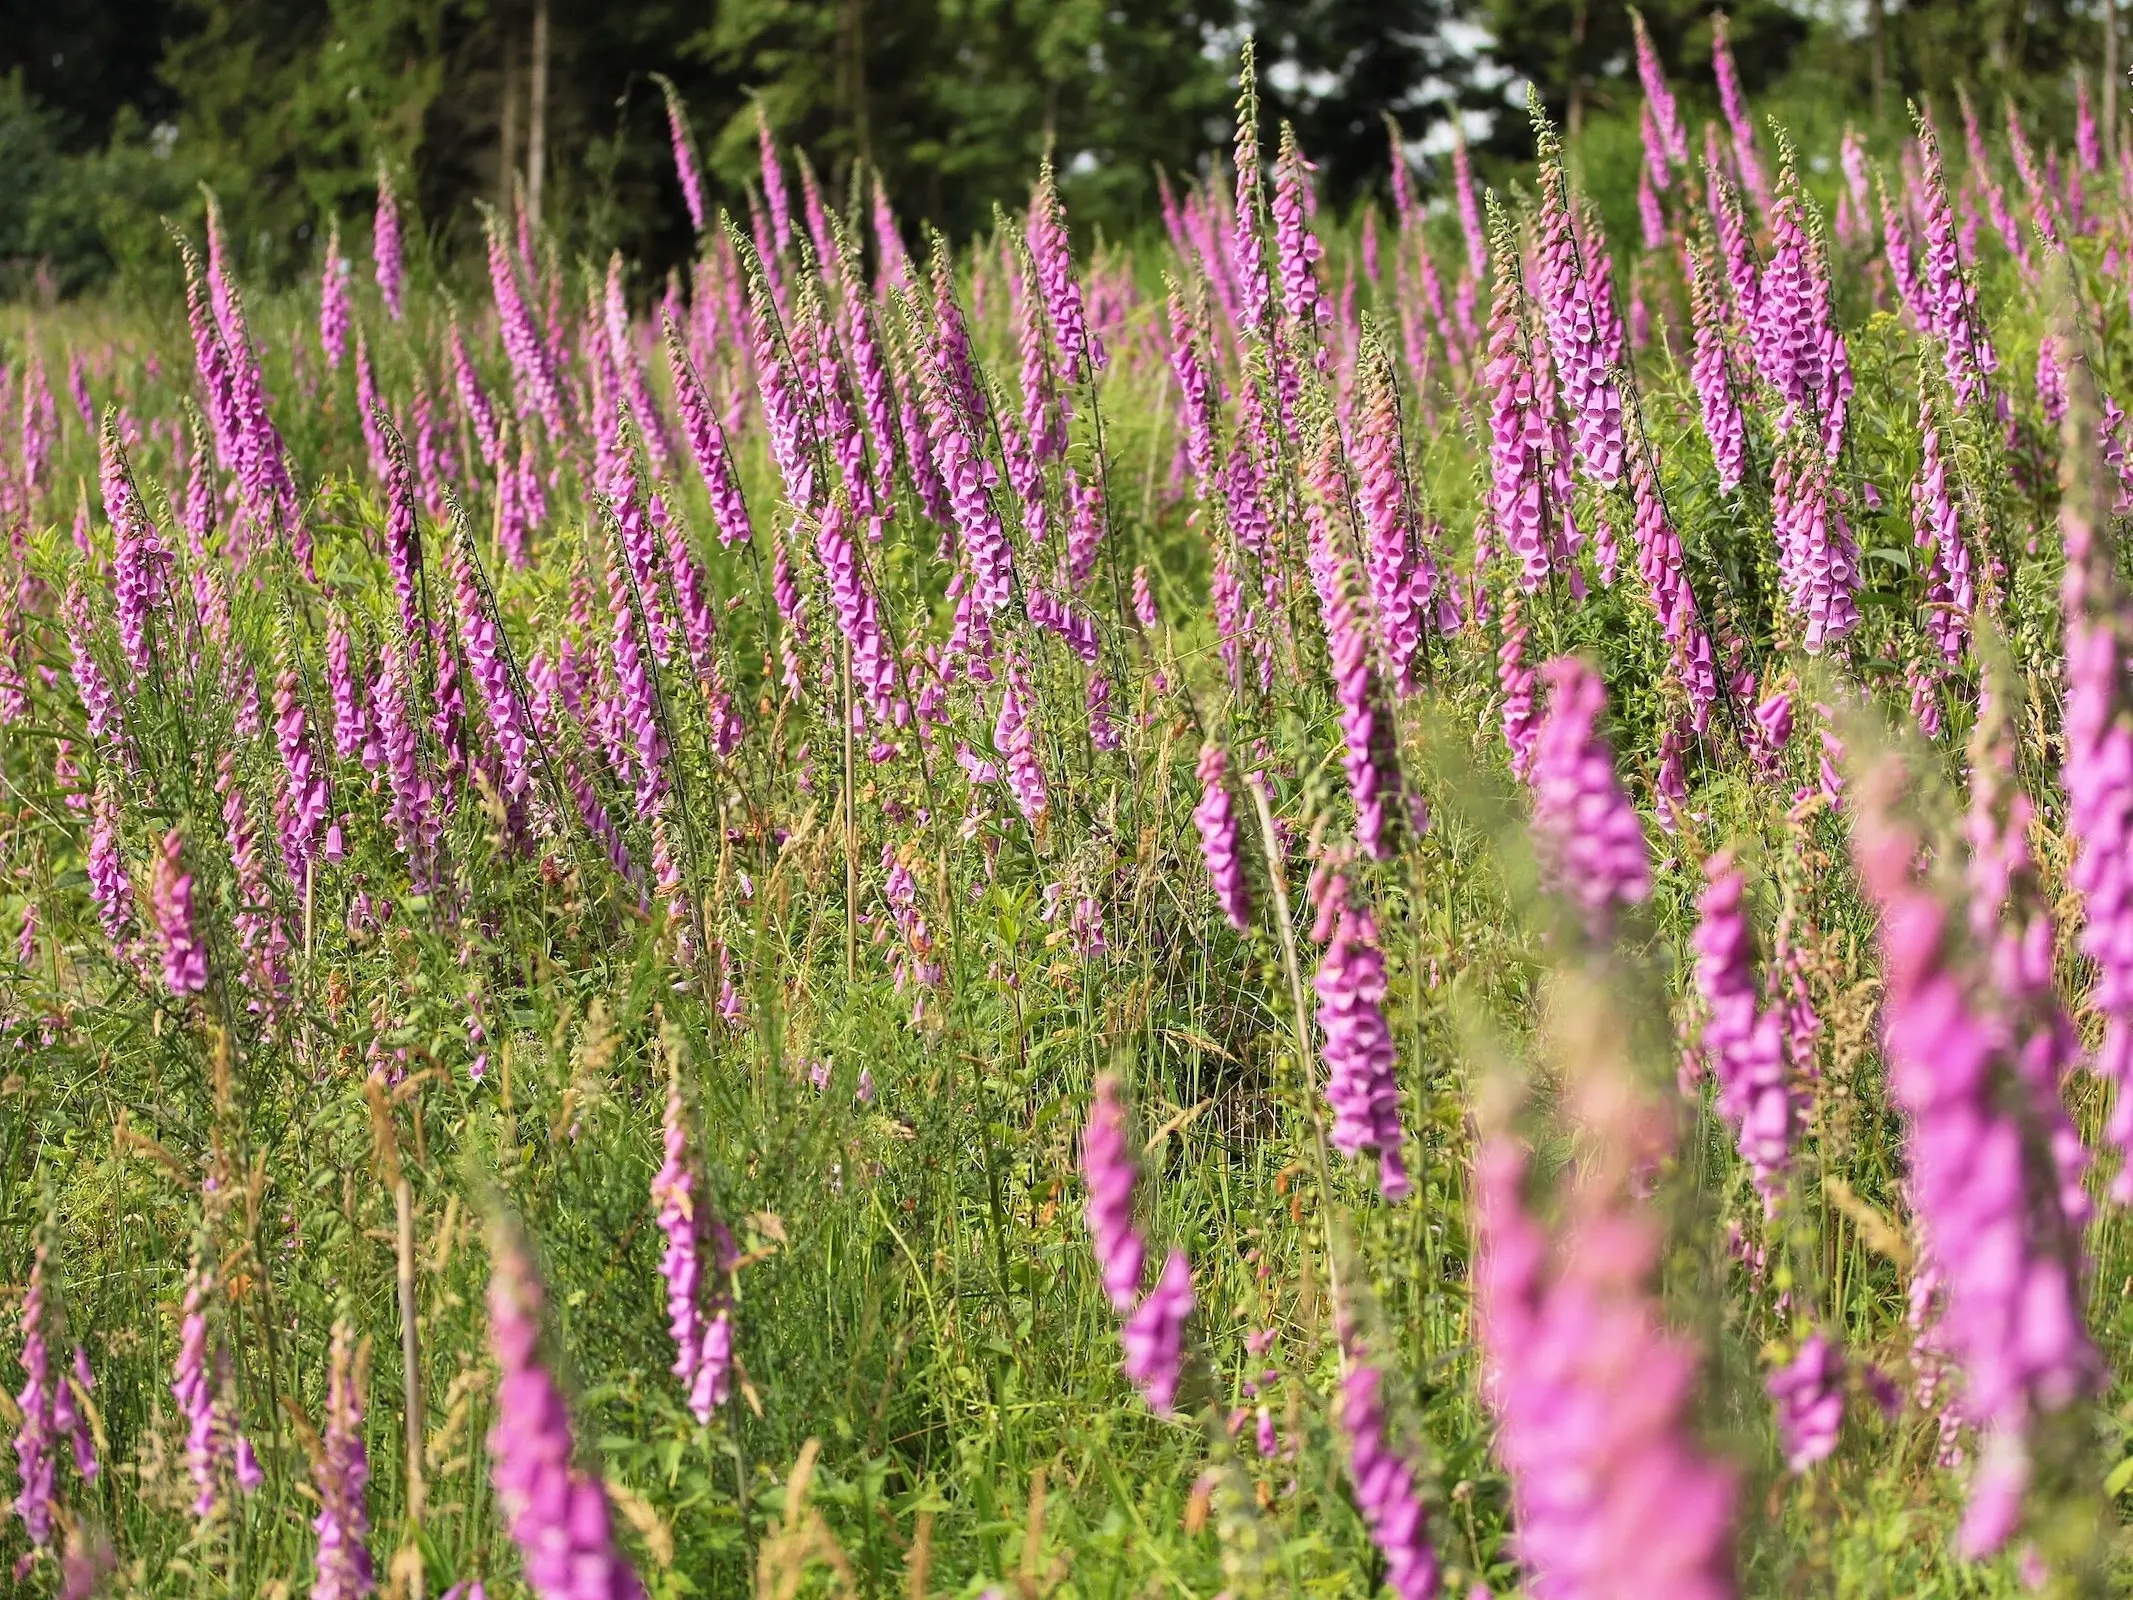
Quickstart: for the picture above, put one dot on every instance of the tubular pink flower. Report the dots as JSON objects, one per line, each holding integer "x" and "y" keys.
{"x": 341, "y": 1475}
{"x": 1711, "y": 371}
{"x": 2012, "y": 919}
{"x": 533, "y": 369}
{"x": 1658, "y": 98}
{"x": 1576, "y": 305}
{"x": 411, "y": 810}
{"x": 1154, "y": 1335}
{"x": 2097, "y": 769}
{"x": 1384, "y": 1480}
{"x": 36, "y": 1457}
{"x": 481, "y": 415}
{"x": 170, "y": 895}
{"x": 1950, "y": 590}
{"x": 702, "y": 1345}
{"x": 1477, "y": 244}
{"x": 333, "y": 300}
{"x": 1817, "y": 558}
{"x": 1216, "y": 818}
{"x": 685, "y": 168}
{"x": 1951, "y": 300}
{"x": 1587, "y": 834}
{"x": 557, "y": 1513}
{"x": 1108, "y": 1171}
{"x": 1514, "y": 681}
{"x": 1403, "y": 579}
{"x": 2006, "y": 1254}
{"x": 140, "y": 567}
{"x": 108, "y": 884}
{"x": 1903, "y": 270}
{"x": 259, "y": 930}
{"x": 302, "y": 802}
{"x": 1014, "y": 735}
{"x": 385, "y": 243}
{"x": 1743, "y": 1043}
{"x": 1361, "y": 1085}
{"x": 1296, "y": 247}
{"x": 1079, "y": 350}
{"x": 775, "y": 195}
{"x": 1733, "y": 101}
{"x": 1517, "y": 429}
{"x": 1808, "y": 1392}
{"x": 1610, "y": 1491}
{"x": 1659, "y": 564}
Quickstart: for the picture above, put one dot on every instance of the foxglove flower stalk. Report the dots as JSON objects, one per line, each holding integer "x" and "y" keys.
{"x": 1370, "y": 754}
{"x": 1658, "y": 98}
{"x": 1403, "y": 579}
{"x": 703, "y": 1346}
{"x": 411, "y": 810}
{"x": 474, "y": 399}
{"x": 1216, "y": 818}
{"x": 1659, "y": 564}
{"x": 481, "y": 636}
{"x": 1576, "y": 307}
{"x": 403, "y": 537}
{"x": 1361, "y": 1085}
{"x": 1950, "y": 590}
{"x": 341, "y": 1475}
{"x": 385, "y": 242}
{"x": 140, "y": 567}
{"x": 1808, "y": 1392}
{"x": 1903, "y": 270}
{"x": 170, "y": 895}
{"x": 1611, "y": 1493}
{"x": 775, "y": 195}
{"x": 1247, "y": 244}
{"x": 259, "y": 931}
{"x": 333, "y": 300}
{"x": 344, "y": 686}
{"x": 1517, "y": 429}
{"x": 557, "y": 1513}
{"x": 2007, "y": 1257}
{"x": 100, "y": 707}
{"x": 1296, "y": 247}
{"x": 1733, "y": 101}
{"x": 1586, "y": 832}
{"x": 302, "y": 803}
{"x": 36, "y": 1440}
{"x": 685, "y": 168}
{"x": 1951, "y": 300}
{"x": 1384, "y": 1480}
{"x": 1711, "y": 371}
{"x": 108, "y": 884}
{"x": 1743, "y": 1043}
{"x": 1817, "y": 558}
{"x": 635, "y": 695}
{"x": 200, "y": 1383}
{"x": 533, "y": 367}
{"x": 707, "y": 444}
{"x": 1514, "y": 681}
{"x": 1014, "y": 735}
{"x": 1154, "y": 1335}
{"x": 1109, "y": 1172}
{"x": 1477, "y": 244}
{"x": 2097, "y": 768}
{"x": 368, "y": 408}
{"x": 1080, "y": 352}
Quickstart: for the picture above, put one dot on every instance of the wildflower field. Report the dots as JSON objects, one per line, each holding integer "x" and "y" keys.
{"x": 1418, "y": 903}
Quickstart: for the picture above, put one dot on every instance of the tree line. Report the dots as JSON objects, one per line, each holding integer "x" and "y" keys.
{"x": 113, "y": 113}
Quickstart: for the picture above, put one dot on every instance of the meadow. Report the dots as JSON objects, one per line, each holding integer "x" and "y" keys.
{"x": 1424, "y": 902}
